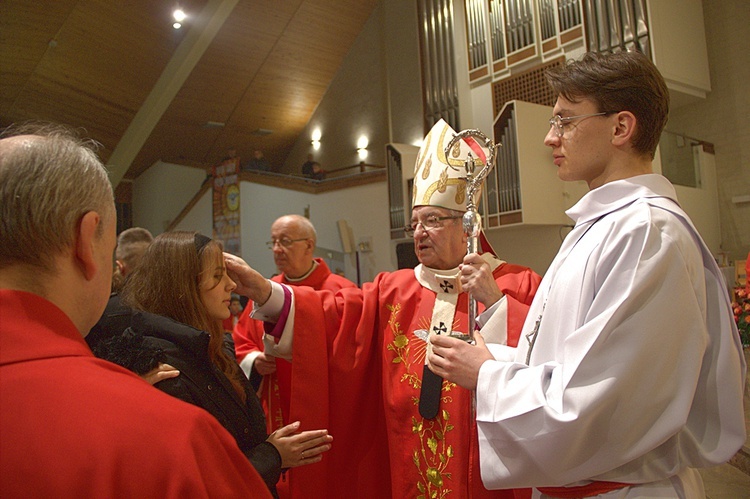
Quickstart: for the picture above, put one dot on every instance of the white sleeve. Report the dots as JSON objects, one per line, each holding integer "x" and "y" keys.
{"x": 269, "y": 312}
{"x": 247, "y": 363}
{"x": 494, "y": 322}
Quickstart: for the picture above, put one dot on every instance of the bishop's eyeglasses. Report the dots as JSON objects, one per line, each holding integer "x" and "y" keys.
{"x": 284, "y": 242}
{"x": 431, "y": 222}
{"x": 559, "y": 123}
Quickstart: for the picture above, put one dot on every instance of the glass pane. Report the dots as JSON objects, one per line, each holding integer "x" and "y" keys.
{"x": 679, "y": 159}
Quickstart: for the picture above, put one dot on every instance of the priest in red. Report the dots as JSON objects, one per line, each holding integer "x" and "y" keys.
{"x": 358, "y": 356}
{"x": 73, "y": 425}
{"x": 293, "y": 240}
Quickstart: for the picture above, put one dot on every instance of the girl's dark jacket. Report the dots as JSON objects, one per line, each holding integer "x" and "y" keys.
{"x": 151, "y": 339}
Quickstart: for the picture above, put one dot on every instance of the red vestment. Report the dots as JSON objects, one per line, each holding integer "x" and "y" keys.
{"x": 229, "y": 323}
{"x": 73, "y": 425}
{"x": 357, "y": 362}
{"x": 248, "y": 337}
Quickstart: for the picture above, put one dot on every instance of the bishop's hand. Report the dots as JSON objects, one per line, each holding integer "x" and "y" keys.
{"x": 249, "y": 282}
{"x": 476, "y": 278}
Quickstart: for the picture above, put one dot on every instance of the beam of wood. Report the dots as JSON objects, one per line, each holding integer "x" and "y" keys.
{"x": 186, "y": 56}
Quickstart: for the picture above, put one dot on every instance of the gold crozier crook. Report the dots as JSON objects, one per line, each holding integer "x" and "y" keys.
{"x": 472, "y": 221}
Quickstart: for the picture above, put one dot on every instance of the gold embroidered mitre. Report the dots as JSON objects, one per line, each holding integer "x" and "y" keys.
{"x": 439, "y": 179}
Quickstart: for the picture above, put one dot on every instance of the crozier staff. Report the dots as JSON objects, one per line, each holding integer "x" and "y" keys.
{"x": 472, "y": 221}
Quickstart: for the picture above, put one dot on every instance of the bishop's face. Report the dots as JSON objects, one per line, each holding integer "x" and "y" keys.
{"x": 439, "y": 239}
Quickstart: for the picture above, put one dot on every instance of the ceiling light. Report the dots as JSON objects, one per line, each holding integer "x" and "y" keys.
{"x": 177, "y": 25}
{"x": 179, "y": 15}
{"x": 262, "y": 131}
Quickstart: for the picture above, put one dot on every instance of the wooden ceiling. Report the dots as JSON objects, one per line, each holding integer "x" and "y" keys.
{"x": 146, "y": 91}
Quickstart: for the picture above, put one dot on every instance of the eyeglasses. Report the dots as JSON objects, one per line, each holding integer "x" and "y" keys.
{"x": 559, "y": 123}
{"x": 431, "y": 222}
{"x": 284, "y": 242}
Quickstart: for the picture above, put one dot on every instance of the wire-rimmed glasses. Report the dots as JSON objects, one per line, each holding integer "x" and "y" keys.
{"x": 284, "y": 242}
{"x": 431, "y": 222}
{"x": 559, "y": 123}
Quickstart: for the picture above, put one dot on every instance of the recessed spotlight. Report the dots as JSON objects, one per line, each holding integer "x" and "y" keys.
{"x": 177, "y": 25}
{"x": 179, "y": 15}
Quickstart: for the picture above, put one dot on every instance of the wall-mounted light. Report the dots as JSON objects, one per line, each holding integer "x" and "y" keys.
{"x": 316, "y": 139}
{"x": 179, "y": 16}
{"x": 362, "y": 144}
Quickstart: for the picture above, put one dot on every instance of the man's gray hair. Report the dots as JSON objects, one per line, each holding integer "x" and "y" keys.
{"x": 49, "y": 179}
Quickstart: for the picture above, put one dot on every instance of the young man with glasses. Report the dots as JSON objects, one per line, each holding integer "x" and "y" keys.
{"x": 358, "y": 356}
{"x": 293, "y": 240}
{"x": 631, "y": 372}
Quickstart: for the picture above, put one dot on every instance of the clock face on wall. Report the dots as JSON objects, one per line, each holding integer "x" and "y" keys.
{"x": 232, "y": 197}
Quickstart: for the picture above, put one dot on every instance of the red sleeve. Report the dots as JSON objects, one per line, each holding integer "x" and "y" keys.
{"x": 227, "y": 325}
{"x": 519, "y": 284}
{"x": 221, "y": 468}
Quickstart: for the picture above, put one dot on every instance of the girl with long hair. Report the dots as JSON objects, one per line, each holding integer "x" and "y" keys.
{"x": 181, "y": 293}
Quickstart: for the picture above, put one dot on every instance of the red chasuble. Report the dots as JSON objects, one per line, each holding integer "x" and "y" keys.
{"x": 248, "y": 337}
{"x": 73, "y": 425}
{"x": 358, "y": 357}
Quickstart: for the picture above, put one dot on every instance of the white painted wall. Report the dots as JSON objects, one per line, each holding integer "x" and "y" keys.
{"x": 702, "y": 204}
{"x": 200, "y": 217}
{"x": 533, "y": 246}
{"x": 161, "y": 193}
{"x": 165, "y": 189}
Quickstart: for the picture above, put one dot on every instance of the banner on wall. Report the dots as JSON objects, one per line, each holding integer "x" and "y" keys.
{"x": 226, "y": 204}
